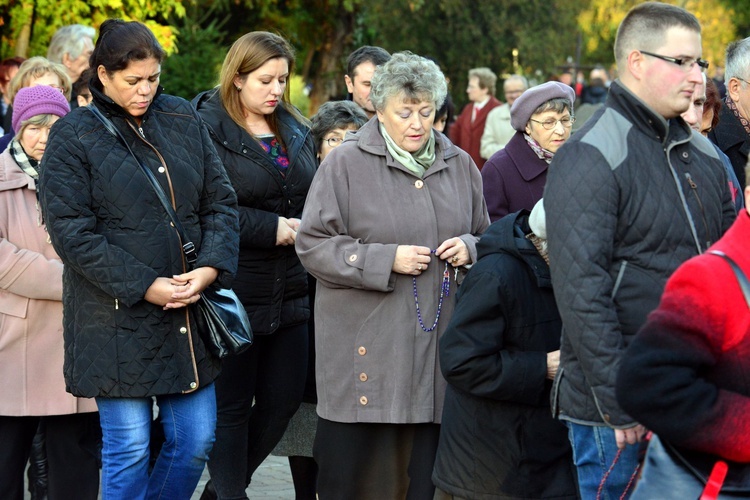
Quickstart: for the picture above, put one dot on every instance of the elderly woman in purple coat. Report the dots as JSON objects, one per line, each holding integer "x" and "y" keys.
{"x": 514, "y": 177}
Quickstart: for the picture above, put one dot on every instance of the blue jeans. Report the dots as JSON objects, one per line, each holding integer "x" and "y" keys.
{"x": 594, "y": 450}
{"x": 189, "y": 422}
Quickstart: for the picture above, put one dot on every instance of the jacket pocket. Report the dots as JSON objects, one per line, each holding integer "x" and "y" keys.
{"x": 13, "y": 305}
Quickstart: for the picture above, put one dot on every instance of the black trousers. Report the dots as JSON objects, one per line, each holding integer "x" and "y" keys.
{"x": 72, "y": 447}
{"x": 257, "y": 393}
{"x": 375, "y": 461}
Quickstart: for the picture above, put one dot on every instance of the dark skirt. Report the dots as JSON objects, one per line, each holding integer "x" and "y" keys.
{"x": 375, "y": 461}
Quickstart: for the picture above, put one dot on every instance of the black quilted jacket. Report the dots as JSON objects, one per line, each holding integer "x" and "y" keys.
{"x": 271, "y": 282}
{"x": 628, "y": 199}
{"x": 115, "y": 239}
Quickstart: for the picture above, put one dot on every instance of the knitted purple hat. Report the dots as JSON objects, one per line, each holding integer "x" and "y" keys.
{"x": 38, "y": 100}
{"x": 531, "y": 99}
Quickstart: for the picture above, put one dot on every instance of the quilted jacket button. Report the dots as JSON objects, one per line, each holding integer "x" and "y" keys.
{"x": 162, "y": 170}
{"x": 193, "y": 385}
{"x": 183, "y": 330}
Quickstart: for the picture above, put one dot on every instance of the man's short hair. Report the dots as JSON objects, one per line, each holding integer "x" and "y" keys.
{"x": 519, "y": 78}
{"x": 366, "y": 53}
{"x": 645, "y": 27}
{"x": 737, "y": 59}
{"x": 486, "y": 77}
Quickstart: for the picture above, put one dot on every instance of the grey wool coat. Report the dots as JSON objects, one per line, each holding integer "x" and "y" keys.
{"x": 374, "y": 361}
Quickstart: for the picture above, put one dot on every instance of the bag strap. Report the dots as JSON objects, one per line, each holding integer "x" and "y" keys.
{"x": 188, "y": 247}
{"x": 741, "y": 278}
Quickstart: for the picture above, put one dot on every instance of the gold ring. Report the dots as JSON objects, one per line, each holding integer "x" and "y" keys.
{"x": 455, "y": 258}
{"x": 419, "y": 266}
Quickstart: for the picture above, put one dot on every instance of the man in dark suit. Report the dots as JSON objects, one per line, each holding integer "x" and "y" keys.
{"x": 732, "y": 134}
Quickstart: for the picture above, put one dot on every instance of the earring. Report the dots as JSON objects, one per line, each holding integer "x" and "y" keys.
{"x": 239, "y": 89}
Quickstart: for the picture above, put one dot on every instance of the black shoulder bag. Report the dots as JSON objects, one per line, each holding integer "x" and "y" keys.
{"x": 220, "y": 316}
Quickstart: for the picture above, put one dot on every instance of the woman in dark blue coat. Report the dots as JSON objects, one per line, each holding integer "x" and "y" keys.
{"x": 499, "y": 355}
{"x": 269, "y": 154}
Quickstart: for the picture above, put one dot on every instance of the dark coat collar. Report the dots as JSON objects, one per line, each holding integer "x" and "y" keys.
{"x": 645, "y": 119}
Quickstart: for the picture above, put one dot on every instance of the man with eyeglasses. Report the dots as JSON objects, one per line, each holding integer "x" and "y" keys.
{"x": 632, "y": 195}
{"x": 732, "y": 134}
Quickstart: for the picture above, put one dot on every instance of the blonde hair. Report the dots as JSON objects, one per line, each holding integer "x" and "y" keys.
{"x": 36, "y": 67}
{"x": 248, "y": 53}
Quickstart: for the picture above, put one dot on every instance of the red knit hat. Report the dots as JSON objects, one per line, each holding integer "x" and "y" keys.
{"x": 38, "y": 100}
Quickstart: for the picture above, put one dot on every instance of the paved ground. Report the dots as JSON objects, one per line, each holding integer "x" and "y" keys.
{"x": 272, "y": 481}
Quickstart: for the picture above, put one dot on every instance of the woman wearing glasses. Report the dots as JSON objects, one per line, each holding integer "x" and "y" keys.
{"x": 269, "y": 154}
{"x": 514, "y": 177}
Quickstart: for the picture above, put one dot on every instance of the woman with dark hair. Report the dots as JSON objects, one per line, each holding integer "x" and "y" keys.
{"x": 8, "y": 69}
{"x": 711, "y": 108}
{"x": 269, "y": 153}
{"x": 129, "y": 335}
{"x": 444, "y": 116}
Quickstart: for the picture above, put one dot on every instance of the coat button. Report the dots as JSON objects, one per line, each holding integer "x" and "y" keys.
{"x": 353, "y": 258}
{"x": 363, "y": 400}
{"x": 162, "y": 170}
{"x": 193, "y": 385}
{"x": 183, "y": 330}
{"x": 363, "y": 377}
{"x": 362, "y": 351}
{"x": 685, "y": 155}
{"x": 419, "y": 184}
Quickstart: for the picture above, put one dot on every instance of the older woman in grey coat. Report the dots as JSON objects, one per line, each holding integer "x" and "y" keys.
{"x": 391, "y": 217}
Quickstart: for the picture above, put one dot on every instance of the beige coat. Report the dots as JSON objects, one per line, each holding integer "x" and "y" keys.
{"x": 374, "y": 363}
{"x": 31, "y": 337}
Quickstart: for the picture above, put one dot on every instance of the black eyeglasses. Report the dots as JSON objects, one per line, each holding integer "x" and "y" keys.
{"x": 685, "y": 64}
{"x": 334, "y": 141}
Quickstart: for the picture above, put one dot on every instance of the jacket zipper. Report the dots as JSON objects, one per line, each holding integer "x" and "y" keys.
{"x": 142, "y": 135}
{"x": 694, "y": 189}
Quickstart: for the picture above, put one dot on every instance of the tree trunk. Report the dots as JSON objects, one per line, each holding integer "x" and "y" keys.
{"x": 328, "y": 76}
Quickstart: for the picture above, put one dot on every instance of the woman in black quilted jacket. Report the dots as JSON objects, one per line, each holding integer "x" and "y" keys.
{"x": 128, "y": 333}
{"x": 269, "y": 154}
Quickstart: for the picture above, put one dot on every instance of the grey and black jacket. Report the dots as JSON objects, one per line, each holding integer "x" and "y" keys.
{"x": 628, "y": 199}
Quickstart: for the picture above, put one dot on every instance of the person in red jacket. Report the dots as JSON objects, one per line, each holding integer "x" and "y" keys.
{"x": 685, "y": 374}
{"x": 467, "y": 132}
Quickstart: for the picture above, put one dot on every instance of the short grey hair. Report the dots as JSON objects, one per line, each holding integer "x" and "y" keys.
{"x": 519, "y": 78}
{"x": 413, "y": 76}
{"x": 558, "y": 105}
{"x": 737, "y": 59}
{"x": 37, "y": 120}
{"x": 336, "y": 114}
{"x": 645, "y": 28}
{"x": 69, "y": 40}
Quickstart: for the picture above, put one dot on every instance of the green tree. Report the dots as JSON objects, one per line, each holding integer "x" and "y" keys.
{"x": 28, "y": 25}
{"x": 195, "y": 66}
{"x": 464, "y": 34}
{"x": 599, "y": 24}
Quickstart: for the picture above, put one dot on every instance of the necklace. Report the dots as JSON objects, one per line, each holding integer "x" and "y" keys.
{"x": 445, "y": 288}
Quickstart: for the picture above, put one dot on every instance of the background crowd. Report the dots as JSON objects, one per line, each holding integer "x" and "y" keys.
{"x": 474, "y": 303}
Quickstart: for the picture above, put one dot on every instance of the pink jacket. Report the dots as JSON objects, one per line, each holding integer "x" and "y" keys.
{"x": 31, "y": 337}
